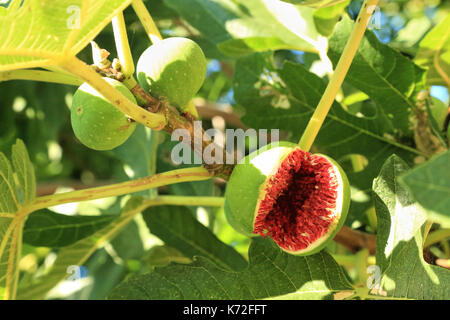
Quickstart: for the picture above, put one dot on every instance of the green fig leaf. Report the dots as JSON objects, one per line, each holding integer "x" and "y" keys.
{"x": 270, "y": 274}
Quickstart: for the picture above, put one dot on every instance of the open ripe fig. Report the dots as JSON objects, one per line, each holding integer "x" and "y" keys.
{"x": 298, "y": 199}
{"x": 174, "y": 69}
{"x": 96, "y": 122}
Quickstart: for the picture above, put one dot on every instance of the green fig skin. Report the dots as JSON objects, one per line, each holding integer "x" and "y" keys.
{"x": 243, "y": 192}
{"x": 173, "y": 69}
{"x": 96, "y": 122}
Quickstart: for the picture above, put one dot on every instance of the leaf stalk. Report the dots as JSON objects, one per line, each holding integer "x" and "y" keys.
{"x": 147, "y": 21}
{"x": 325, "y": 103}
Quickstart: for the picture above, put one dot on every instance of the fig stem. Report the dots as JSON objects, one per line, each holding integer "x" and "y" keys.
{"x": 122, "y": 45}
{"x": 82, "y": 70}
{"x": 177, "y": 121}
{"x": 39, "y": 75}
{"x": 325, "y": 103}
{"x": 154, "y": 144}
{"x": 191, "y": 201}
{"x": 147, "y": 21}
{"x": 128, "y": 187}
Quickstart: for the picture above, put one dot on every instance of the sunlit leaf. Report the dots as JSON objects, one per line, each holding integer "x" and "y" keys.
{"x": 241, "y": 27}
{"x": 326, "y": 18}
{"x": 42, "y": 32}
{"x": 17, "y": 189}
{"x": 434, "y": 54}
{"x": 388, "y": 77}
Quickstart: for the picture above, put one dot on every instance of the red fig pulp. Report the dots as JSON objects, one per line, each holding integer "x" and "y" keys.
{"x": 299, "y": 201}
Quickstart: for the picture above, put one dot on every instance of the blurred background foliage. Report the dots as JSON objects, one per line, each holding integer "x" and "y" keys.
{"x": 39, "y": 114}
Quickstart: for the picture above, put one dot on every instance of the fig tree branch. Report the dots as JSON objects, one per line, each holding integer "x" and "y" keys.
{"x": 40, "y": 75}
{"x": 191, "y": 201}
{"x": 7, "y": 215}
{"x": 355, "y": 240}
{"x": 44, "y": 189}
{"x": 132, "y": 186}
{"x": 174, "y": 121}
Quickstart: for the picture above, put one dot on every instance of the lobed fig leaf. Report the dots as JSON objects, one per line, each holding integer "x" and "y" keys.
{"x": 95, "y": 120}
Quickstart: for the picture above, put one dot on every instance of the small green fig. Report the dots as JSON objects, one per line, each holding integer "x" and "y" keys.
{"x": 298, "y": 199}
{"x": 173, "y": 69}
{"x": 96, "y": 122}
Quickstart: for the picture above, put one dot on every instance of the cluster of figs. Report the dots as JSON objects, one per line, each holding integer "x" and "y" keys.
{"x": 172, "y": 69}
{"x": 298, "y": 199}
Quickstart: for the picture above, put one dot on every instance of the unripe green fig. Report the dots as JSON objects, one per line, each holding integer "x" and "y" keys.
{"x": 298, "y": 199}
{"x": 96, "y": 122}
{"x": 173, "y": 69}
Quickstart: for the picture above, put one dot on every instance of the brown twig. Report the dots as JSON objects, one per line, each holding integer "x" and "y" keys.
{"x": 146, "y": 100}
{"x": 356, "y": 240}
{"x": 227, "y": 69}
